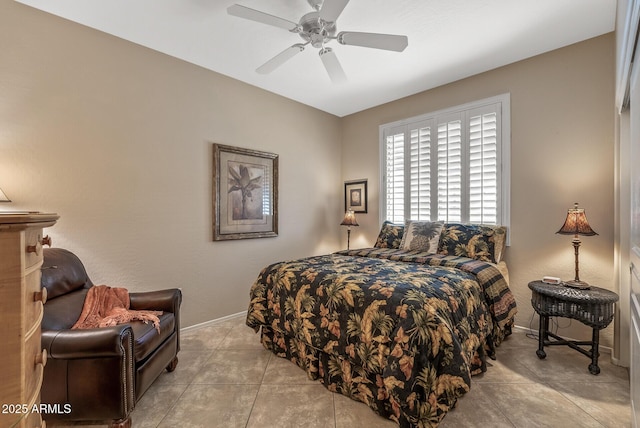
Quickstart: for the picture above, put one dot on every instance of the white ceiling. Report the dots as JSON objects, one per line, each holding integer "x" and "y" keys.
{"x": 448, "y": 40}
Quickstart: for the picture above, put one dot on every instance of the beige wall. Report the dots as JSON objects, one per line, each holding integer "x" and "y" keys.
{"x": 117, "y": 139}
{"x": 562, "y": 149}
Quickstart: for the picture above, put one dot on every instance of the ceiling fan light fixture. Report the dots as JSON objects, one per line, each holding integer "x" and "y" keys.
{"x": 316, "y": 31}
{"x": 318, "y": 28}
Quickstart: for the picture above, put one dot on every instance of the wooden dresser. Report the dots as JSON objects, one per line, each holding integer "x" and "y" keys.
{"x": 22, "y": 300}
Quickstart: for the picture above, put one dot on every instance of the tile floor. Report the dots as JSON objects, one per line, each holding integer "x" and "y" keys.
{"x": 226, "y": 379}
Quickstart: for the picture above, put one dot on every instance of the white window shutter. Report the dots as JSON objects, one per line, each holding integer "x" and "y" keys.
{"x": 451, "y": 165}
{"x": 420, "y": 172}
{"x": 483, "y": 167}
{"x": 449, "y": 176}
{"x": 394, "y": 177}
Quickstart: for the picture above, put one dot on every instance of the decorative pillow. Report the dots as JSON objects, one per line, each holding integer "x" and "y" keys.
{"x": 499, "y": 242}
{"x": 390, "y": 235}
{"x": 476, "y": 241}
{"x": 421, "y": 236}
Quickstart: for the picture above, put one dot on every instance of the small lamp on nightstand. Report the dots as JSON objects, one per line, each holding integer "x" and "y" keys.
{"x": 349, "y": 220}
{"x": 3, "y": 197}
{"x": 576, "y": 224}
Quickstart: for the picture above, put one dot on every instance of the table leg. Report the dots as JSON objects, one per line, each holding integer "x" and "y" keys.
{"x": 595, "y": 342}
{"x": 542, "y": 336}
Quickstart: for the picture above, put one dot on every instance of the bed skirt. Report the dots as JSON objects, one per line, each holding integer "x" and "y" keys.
{"x": 335, "y": 373}
{"x": 339, "y": 375}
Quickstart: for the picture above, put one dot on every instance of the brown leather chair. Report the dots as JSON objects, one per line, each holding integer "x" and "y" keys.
{"x": 100, "y": 374}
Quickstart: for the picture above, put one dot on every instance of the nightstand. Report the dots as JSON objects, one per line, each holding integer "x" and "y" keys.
{"x": 593, "y": 307}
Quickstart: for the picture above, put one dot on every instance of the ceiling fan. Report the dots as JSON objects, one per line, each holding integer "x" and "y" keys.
{"x": 318, "y": 28}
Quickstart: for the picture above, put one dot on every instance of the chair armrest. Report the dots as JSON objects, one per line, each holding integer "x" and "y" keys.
{"x": 162, "y": 300}
{"x": 90, "y": 343}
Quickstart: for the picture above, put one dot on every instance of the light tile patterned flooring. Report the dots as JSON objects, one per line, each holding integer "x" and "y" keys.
{"x": 226, "y": 379}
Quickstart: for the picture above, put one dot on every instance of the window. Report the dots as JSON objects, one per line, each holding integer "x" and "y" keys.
{"x": 451, "y": 165}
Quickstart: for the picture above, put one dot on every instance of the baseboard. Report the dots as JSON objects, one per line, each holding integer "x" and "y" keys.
{"x": 616, "y": 362}
{"x": 213, "y": 322}
{"x": 526, "y": 330}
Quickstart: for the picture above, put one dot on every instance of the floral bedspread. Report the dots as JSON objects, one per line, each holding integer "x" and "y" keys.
{"x": 401, "y": 331}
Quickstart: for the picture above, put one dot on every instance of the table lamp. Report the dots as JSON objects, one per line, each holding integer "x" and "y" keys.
{"x": 576, "y": 224}
{"x": 349, "y": 220}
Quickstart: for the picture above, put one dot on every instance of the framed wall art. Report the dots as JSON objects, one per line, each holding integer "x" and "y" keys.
{"x": 355, "y": 196}
{"x": 245, "y": 199}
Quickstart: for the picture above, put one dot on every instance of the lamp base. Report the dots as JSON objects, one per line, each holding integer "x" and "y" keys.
{"x": 581, "y": 285}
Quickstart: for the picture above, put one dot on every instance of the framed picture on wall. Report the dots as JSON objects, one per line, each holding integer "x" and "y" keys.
{"x": 355, "y": 196}
{"x": 245, "y": 193}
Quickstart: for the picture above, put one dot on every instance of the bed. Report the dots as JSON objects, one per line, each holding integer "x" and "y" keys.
{"x": 401, "y": 326}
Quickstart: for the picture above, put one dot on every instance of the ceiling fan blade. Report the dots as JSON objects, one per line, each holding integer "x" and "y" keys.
{"x": 389, "y": 42}
{"x": 265, "y": 18}
{"x": 331, "y": 63}
{"x": 280, "y": 59}
{"x": 331, "y": 9}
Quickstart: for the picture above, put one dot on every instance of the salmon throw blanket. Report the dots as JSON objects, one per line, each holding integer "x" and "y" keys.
{"x": 105, "y": 306}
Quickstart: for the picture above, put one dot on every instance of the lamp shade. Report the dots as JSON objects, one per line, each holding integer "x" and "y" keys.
{"x": 3, "y": 197}
{"x": 576, "y": 223}
{"x": 349, "y": 219}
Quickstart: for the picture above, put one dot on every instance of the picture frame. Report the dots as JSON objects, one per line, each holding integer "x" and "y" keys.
{"x": 245, "y": 193}
{"x": 355, "y": 196}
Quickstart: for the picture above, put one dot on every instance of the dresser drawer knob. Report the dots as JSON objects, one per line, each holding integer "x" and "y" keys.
{"x": 42, "y": 358}
{"x": 40, "y": 296}
{"x": 36, "y": 249}
{"x": 46, "y": 241}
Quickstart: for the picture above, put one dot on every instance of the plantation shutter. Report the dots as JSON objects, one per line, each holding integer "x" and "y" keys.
{"x": 451, "y": 165}
{"x": 394, "y": 176}
{"x": 420, "y": 172}
{"x": 450, "y": 169}
{"x": 483, "y": 166}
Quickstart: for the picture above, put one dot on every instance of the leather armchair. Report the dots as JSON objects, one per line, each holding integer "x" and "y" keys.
{"x": 101, "y": 373}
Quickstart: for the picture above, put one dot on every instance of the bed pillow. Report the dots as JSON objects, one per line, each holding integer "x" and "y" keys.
{"x": 390, "y": 235}
{"x": 421, "y": 236}
{"x": 476, "y": 241}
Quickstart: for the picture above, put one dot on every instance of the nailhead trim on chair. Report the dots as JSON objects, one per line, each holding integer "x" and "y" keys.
{"x": 127, "y": 366}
